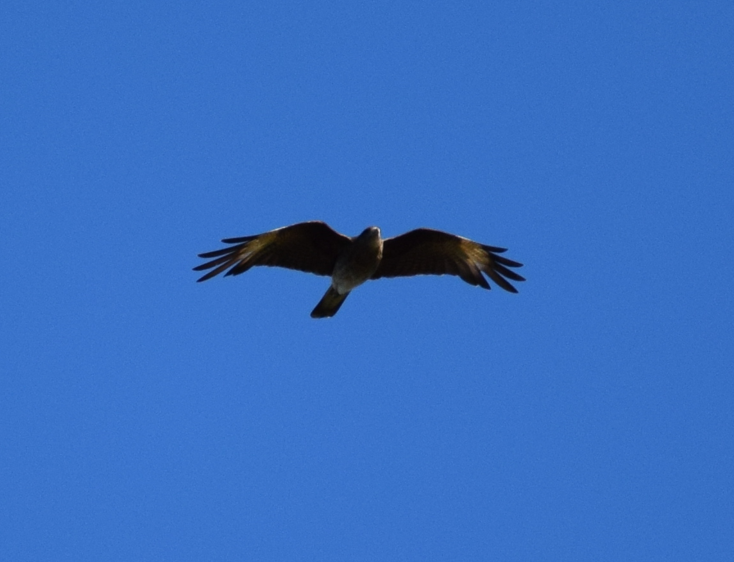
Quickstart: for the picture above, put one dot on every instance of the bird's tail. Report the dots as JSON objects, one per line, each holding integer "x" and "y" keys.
{"x": 329, "y": 304}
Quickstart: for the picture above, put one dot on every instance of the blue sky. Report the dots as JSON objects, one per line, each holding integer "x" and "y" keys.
{"x": 144, "y": 416}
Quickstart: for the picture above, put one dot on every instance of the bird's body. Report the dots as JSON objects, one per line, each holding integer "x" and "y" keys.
{"x": 359, "y": 262}
{"x": 317, "y": 248}
{"x": 355, "y": 266}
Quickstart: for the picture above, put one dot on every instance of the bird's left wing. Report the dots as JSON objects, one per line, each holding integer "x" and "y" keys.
{"x": 431, "y": 252}
{"x": 307, "y": 246}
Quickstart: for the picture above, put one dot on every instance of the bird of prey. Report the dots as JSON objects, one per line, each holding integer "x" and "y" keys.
{"x": 315, "y": 247}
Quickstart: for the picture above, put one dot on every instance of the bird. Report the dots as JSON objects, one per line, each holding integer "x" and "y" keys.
{"x": 315, "y": 247}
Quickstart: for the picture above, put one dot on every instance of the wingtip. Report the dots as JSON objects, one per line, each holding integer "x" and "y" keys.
{"x": 238, "y": 240}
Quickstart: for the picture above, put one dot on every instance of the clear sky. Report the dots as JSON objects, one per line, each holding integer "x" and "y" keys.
{"x": 144, "y": 416}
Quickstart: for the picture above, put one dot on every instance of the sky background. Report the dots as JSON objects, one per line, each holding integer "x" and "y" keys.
{"x": 144, "y": 416}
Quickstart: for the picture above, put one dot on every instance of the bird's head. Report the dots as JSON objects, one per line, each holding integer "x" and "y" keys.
{"x": 370, "y": 233}
{"x": 370, "y": 238}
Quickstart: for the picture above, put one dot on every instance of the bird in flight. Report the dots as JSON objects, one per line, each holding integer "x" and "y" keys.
{"x": 315, "y": 247}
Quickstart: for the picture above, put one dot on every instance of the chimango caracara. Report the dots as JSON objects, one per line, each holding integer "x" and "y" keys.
{"x": 317, "y": 248}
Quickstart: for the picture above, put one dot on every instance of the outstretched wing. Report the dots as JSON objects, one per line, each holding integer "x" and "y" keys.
{"x": 432, "y": 252}
{"x": 307, "y": 246}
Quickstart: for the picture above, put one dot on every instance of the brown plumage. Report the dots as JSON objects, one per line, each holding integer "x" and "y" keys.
{"x": 315, "y": 247}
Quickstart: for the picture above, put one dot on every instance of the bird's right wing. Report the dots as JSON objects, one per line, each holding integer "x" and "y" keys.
{"x": 307, "y": 246}
{"x": 431, "y": 252}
